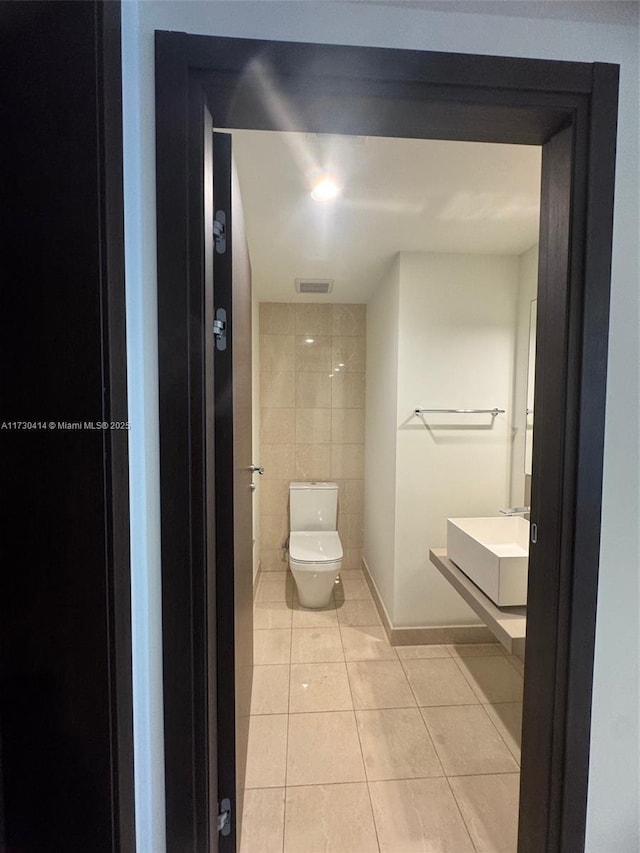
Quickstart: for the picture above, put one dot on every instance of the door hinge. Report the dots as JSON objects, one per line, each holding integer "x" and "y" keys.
{"x": 224, "y": 817}
{"x": 220, "y": 329}
{"x": 220, "y": 231}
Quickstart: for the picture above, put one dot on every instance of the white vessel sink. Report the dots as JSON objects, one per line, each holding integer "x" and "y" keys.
{"x": 494, "y": 554}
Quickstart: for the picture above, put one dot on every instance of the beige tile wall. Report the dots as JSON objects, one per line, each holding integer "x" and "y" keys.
{"x": 312, "y": 378}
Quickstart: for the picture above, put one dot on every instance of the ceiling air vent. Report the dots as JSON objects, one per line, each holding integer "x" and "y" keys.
{"x": 314, "y": 285}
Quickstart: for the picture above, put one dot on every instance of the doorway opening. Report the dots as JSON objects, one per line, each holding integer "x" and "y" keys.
{"x": 568, "y": 109}
{"x": 431, "y": 248}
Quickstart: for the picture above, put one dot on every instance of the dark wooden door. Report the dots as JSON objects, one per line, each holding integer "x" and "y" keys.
{"x": 233, "y": 447}
{"x": 66, "y": 732}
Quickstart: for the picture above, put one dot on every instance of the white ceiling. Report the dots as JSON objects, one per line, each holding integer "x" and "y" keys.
{"x": 398, "y": 195}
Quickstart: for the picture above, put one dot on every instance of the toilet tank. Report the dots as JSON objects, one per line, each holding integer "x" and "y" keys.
{"x": 313, "y": 506}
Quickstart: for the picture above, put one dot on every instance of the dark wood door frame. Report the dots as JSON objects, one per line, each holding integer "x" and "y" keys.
{"x": 568, "y": 108}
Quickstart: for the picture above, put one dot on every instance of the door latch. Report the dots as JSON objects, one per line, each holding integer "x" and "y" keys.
{"x": 220, "y": 329}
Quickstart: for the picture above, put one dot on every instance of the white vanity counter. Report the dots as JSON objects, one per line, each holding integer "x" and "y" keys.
{"x": 508, "y": 624}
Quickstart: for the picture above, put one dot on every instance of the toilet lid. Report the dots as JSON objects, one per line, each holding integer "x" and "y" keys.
{"x": 315, "y": 546}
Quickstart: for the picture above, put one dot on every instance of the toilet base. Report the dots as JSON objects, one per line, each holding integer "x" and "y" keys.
{"x": 315, "y": 582}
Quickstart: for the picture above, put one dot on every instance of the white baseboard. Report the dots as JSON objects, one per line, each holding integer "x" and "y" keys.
{"x": 420, "y": 636}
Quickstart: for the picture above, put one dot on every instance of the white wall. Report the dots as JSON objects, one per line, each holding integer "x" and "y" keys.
{"x": 456, "y": 350}
{"x": 527, "y": 291}
{"x": 380, "y": 435}
{"x": 144, "y": 470}
{"x": 613, "y": 792}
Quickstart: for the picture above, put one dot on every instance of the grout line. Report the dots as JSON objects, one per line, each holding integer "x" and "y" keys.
{"x": 489, "y": 702}
{"x": 517, "y": 759}
{"x": 457, "y": 804}
{"x": 448, "y": 704}
{"x": 521, "y": 674}
{"x": 286, "y": 751}
{"x": 467, "y": 678}
{"x": 484, "y": 773}
{"x": 506, "y": 745}
{"x": 431, "y": 738}
{"x": 428, "y": 733}
{"x": 338, "y": 784}
{"x": 424, "y": 723}
{"x": 396, "y": 779}
{"x": 342, "y": 710}
{"x": 413, "y": 692}
{"x": 364, "y": 764}
{"x": 458, "y": 705}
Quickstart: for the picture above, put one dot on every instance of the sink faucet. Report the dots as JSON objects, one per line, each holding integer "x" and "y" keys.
{"x": 516, "y": 510}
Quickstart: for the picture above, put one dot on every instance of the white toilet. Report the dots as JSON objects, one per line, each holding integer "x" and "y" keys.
{"x": 315, "y": 550}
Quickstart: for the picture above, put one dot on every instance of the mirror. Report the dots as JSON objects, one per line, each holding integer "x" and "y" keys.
{"x": 531, "y": 381}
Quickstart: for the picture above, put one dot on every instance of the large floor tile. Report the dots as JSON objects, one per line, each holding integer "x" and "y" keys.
{"x": 507, "y": 718}
{"x": 271, "y": 646}
{"x": 493, "y": 679}
{"x": 262, "y": 821}
{"x": 323, "y": 748}
{"x": 367, "y": 642}
{"x": 267, "y": 751}
{"x": 270, "y": 691}
{"x": 423, "y": 652}
{"x": 438, "y": 682}
{"x": 329, "y": 819}
{"x": 489, "y": 805}
{"x": 306, "y": 617}
{"x": 418, "y": 816}
{"x": 355, "y": 612}
{"x": 319, "y": 687}
{"x": 271, "y": 614}
{"x": 316, "y": 645}
{"x": 467, "y": 741}
{"x": 379, "y": 684}
{"x": 396, "y": 745}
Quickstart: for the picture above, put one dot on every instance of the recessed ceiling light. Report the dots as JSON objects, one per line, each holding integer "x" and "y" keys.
{"x": 325, "y": 189}
{"x": 308, "y": 340}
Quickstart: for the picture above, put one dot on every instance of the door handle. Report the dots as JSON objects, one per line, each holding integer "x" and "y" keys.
{"x": 256, "y": 469}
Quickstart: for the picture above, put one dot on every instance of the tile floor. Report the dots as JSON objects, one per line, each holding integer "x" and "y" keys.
{"x": 358, "y": 747}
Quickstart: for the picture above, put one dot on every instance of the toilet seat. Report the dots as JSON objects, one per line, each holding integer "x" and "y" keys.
{"x": 315, "y": 546}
